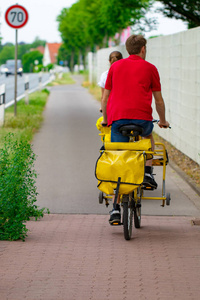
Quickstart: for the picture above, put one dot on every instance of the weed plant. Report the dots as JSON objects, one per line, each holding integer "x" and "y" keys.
{"x": 17, "y": 189}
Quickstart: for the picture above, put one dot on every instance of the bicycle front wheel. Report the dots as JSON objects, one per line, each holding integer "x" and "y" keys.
{"x": 127, "y": 220}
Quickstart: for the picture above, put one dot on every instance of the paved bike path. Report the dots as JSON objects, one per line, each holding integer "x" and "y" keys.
{"x": 76, "y": 254}
{"x": 68, "y": 147}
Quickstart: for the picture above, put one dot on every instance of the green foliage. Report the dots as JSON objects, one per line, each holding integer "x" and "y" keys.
{"x": 17, "y": 189}
{"x": 38, "y": 68}
{"x": 23, "y": 49}
{"x": 50, "y": 67}
{"x": 29, "y": 59}
{"x": 64, "y": 55}
{"x": 88, "y": 24}
{"x": 8, "y": 52}
{"x": 186, "y": 10}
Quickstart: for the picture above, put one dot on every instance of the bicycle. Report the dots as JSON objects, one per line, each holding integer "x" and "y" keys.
{"x": 131, "y": 201}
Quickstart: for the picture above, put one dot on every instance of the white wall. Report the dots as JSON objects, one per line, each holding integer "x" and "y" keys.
{"x": 46, "y": 57}
{"x": 177, "y": 58}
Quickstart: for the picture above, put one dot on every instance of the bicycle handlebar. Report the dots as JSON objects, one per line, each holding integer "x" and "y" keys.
{"x": 156, "y": 121}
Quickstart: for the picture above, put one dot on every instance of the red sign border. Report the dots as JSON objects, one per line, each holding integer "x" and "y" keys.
{"x": 7, "y": 12}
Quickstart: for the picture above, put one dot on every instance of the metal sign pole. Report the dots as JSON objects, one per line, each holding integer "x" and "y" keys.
{"x": 16, "y": 17}
{"x": 16, "y": 52}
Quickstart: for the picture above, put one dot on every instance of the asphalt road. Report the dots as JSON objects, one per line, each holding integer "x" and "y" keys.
{"x": 10, "y": 84}
{"x": 68, "y": 147}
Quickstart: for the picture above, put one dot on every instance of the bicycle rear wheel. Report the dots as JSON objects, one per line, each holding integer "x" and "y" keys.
{"x": 127, "y": 219}
{"x": 137, "y": 215}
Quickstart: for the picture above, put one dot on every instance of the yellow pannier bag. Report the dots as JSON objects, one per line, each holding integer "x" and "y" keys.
{"x": 105, "y": 131}
{"x": 141, "y": 145}
{"x": 126, "y": 164}
{"x": 144, "y": 145}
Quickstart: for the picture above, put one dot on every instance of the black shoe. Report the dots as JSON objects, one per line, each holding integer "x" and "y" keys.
{"x": 149, "y": 181}
{"x": 115, "y": 217}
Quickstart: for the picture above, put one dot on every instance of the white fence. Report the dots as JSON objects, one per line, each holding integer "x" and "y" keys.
{"x": 177, "y": 58}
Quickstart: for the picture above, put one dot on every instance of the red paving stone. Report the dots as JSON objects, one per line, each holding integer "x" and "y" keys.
{"x": 81, "y": 257}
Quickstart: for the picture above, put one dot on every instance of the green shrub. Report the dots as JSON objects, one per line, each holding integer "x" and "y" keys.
{"x": 17, "y": 189}
{"x": 50, "y": 66}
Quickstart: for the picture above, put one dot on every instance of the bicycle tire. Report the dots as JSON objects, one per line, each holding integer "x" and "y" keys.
{"x": 137, "y": 207}
{"x": 137, "y": 217}
{"x": 100, "y": 197}
{"x": 127, "y": 220}
{"x": 168, "y": 199}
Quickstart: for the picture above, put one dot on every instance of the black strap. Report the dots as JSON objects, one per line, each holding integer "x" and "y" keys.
{"x": 117, "y": 192}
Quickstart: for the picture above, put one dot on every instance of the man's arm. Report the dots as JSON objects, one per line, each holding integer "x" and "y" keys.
{"x": 104, "y": 105}
{"x": 160, "y": 108}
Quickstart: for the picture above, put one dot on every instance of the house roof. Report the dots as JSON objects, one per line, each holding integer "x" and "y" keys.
{"x": 53, "y": 51}
{"x": 39, "y": 48}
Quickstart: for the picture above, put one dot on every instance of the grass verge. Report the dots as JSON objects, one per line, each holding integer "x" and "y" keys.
{"x": 29, "y": 117}
{"x": 65, "y": 79}
{"x": 187, "y": 165}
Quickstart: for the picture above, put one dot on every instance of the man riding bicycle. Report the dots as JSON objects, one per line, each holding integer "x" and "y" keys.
{"x": 127, "y": 100}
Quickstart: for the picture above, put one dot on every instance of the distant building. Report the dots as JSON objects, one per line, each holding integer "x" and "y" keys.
{"x": 39, "y": 48}
{"x": 51, "y": 53}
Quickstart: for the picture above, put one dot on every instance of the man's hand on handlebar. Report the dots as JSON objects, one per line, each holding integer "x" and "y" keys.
{"x": 163, "y": 125}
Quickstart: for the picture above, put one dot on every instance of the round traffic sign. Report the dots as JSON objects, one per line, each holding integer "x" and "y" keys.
{"x": 16, "y": 16}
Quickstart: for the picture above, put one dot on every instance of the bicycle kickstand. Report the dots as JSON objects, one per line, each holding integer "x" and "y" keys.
{"x": 117, "y": 192}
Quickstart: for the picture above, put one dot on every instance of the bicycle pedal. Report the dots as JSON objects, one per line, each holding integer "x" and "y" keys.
{"x": 148, "y": 188}
{"x": 115, "y": 223}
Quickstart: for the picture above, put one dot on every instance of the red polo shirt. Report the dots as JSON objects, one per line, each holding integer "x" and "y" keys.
{"x": 131, "y": 82}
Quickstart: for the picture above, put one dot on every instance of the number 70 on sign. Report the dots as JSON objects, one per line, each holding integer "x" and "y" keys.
{"x": 16, "y": 16}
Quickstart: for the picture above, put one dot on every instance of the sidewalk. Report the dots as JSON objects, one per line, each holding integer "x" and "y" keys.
{"x": 70, "y": 257}
{"x": 73, "y": 253}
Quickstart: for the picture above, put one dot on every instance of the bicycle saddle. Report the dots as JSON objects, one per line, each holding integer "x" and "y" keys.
{"x": 131, "y": 130}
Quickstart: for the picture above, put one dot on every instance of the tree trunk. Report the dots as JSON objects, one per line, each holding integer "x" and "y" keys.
{"x": 72, "y": 61}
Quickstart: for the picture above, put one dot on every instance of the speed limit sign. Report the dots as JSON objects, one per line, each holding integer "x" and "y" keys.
{"x": 16, "y": 16}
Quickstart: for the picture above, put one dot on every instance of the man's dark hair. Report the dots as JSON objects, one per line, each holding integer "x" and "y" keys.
{"x": 135, "y": 43}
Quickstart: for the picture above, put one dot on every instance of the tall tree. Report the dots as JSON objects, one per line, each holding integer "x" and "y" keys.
{"x": 88, "y": 24}
{"x": 186, "y": 10}
{"x": 97, "y": 20}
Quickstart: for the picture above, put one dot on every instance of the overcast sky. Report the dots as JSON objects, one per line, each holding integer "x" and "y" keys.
{"x": 42, "y": 21}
